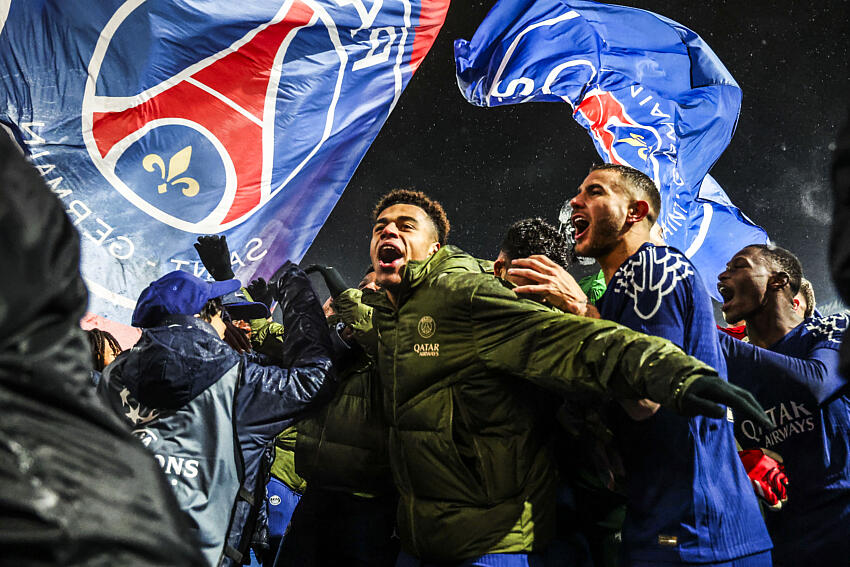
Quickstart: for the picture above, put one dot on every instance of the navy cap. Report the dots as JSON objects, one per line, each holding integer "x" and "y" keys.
{"x": 240, "y": 309}
{"x": 177, "y": 293}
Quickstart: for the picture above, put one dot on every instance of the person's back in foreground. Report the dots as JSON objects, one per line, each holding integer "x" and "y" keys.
{"x": 689, "y": 498}
{"x": 77, "y": 489}
{"x": 208, "y": 413}
{"x": 457, "y": 353}
{"x": 792, "y": 367}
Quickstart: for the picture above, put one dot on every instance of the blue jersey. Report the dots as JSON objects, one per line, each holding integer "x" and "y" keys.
{"x": 689, "y": 497}
{"x": 798, "y": 384}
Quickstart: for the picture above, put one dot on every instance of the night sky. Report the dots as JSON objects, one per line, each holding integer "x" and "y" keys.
{"x": 492, "y": 166}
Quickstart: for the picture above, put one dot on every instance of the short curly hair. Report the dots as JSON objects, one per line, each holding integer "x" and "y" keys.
{"x": 432, "y": 208}
{"x": 527, "y": 237}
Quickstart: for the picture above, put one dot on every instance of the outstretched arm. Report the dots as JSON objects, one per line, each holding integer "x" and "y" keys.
{"x": 818, "y": 373}
{"x": 555, "y": 286}
{"x": 271, "y": 395}
{"x": 576, "y": 355}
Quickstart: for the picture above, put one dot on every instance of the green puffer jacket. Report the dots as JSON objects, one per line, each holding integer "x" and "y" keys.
{"x": 343, "y": 446}
{"x": 467, "y": 449}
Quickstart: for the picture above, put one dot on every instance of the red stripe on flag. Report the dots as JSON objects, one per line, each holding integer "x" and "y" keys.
{"x": 432, "y": 15}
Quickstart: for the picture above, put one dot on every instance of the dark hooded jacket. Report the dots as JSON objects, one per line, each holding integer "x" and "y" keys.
{"x": 209, "y": 414}
{"x": 75, "y": 487}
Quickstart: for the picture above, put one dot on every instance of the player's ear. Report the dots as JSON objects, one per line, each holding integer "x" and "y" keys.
{"x": 778, "y": 281}
{"x": 498, "y": 266}
{"x": 638, "y": 211}
{"x": 433, "y": 249}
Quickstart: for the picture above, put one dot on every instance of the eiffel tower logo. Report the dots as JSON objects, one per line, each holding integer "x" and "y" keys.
{"x": 230, "y": 98}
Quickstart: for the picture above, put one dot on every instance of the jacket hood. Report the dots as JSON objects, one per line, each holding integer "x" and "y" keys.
{"x": 42, "y": 295}
{"x": 43, "y": 352}
{"x": 172, "y": 364}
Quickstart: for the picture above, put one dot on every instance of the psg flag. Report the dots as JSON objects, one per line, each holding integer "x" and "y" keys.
{"x": 155, "y": 121}
{"x": 649, "y": 91}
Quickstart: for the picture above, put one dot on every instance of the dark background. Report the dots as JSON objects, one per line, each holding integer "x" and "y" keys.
{"x": 492, "y": 166}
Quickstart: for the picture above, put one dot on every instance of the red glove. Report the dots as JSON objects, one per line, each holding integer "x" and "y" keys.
{"x": 767, "y": 476}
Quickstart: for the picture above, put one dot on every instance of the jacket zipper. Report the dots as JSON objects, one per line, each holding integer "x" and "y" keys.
{"x": 410, "y": 506}
{"x": 466, "y": 422}
{"x": 395, "y": 369}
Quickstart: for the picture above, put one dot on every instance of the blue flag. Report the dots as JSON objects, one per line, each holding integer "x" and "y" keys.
{"x": 156, "y": 121}
{"x": 649, "y": 91}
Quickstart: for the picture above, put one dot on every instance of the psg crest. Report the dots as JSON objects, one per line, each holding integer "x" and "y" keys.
{"x": 157, "y": 121}
{"x": 196, "y": 151}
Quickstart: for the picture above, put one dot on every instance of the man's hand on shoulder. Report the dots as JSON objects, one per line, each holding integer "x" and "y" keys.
{"x": 552, "y": 284}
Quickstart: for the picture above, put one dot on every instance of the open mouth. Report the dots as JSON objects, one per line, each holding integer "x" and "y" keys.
{"x": 726, "y": 292}
{"x": 581, "y": 225}
{"x": 389, "y": 256}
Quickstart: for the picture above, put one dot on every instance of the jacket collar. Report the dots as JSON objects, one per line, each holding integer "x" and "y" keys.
{"x": 416, "y": 272}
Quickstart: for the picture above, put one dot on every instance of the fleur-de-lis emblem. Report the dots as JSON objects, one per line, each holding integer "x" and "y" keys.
{"x": 637, "y": 141}
{"x": 177, "y": 165}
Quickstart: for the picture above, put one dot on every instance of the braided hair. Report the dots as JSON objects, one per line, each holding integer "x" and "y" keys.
{"x": 98, "y": 341}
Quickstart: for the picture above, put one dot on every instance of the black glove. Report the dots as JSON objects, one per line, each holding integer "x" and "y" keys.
{"x": 261, "y": 291}
{"x": 277, "y": 281}
{"x": 333, "y": 279}
{"x": 702, "y": 394}
{"x": 215, "y": 256}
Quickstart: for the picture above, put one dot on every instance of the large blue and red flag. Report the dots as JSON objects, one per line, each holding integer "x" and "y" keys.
{"x": 158, "y": 120}
{"x": 649, "y": 91}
